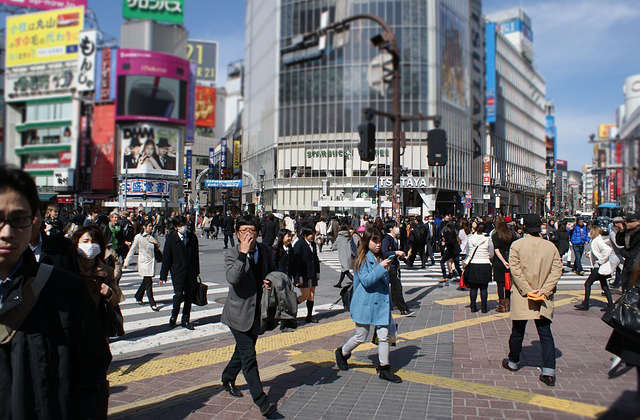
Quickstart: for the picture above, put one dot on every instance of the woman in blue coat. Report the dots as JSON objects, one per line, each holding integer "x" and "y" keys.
{"x": 370, "y": 304}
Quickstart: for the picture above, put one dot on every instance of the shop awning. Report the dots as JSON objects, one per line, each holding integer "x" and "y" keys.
{"x": 47, "y": 196}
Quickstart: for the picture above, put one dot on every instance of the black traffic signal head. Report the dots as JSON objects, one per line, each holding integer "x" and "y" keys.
{"x": 367, "y": 145}
{"x": 437, "y": 145}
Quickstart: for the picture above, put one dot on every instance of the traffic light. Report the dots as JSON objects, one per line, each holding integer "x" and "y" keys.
{"x": 367, "y": 145}
{"x": 437, "y": 145}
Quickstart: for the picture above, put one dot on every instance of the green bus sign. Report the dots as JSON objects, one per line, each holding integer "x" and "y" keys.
{"x": 171, "y": 11}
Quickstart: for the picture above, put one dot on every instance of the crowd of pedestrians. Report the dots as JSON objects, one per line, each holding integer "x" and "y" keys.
{"x": 60, "y": 284}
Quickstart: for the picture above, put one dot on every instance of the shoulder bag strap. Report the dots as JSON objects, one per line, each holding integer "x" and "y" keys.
{"x": 12, "y": 320}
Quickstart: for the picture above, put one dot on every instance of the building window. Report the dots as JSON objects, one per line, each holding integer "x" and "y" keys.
{"x": 48, "y": 112}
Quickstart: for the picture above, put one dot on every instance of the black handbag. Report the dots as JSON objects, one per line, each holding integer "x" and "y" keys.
{"x": 112, "y": 319}
{"x": 200, "y": 293}
{"x": 157, "y": 254}
{"x": 625, "y": 315}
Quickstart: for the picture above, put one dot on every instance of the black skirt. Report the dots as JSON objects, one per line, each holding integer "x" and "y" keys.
{"x": 478, "y": 273}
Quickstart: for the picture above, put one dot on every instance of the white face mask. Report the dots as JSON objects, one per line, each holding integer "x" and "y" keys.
{"x": 182, "y": 230}
{"x": 544, "y": 231}
{"x": 89, "y": 251}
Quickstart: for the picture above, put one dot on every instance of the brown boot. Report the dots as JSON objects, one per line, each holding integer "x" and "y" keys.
{"x": 507, "y": 305}
{"x": 501, "y": 306}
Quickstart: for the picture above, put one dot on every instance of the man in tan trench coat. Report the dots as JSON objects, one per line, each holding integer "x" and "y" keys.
{"x": 536, "y": 267}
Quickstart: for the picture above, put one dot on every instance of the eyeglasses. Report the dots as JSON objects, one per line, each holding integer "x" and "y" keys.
{"x": 247, "y": 230}
{"x": 19, "y": 222}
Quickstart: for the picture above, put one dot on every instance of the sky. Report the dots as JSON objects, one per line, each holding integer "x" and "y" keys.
{"x": 584, "y": 49}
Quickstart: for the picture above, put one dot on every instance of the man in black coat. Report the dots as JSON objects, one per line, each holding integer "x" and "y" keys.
{"x": 57, "y": 251}
{"x": 270, "y": 231}
{"x": 307, "y": 269}
{"x": 246, "y": 265}
{"x": 181, "y": 257}
{"x": 417, "y": 242}
{"x": 227, "y": 229}
{"x": 53, "y": 354}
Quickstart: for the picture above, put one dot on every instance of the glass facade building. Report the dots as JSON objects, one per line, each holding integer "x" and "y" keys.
{"x": 301, "y": 121}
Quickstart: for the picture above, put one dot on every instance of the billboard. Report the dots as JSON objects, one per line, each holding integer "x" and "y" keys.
{"x": 237, "y": 154}
{"x": 191, "y": 105}
{"x": 103, "y": 148}
{"x": 86, "y": 71}
{"x": 45, "y": 37}
{"x": 604, "y": 131}
{"x": 45, "y": 5}
{"x": 105, "y": 75}
{"x": 561, "y": 165}
{"x": 490, "y": 33}
{"x": 171, "y": 11}
{"x": 453, "y": 44}
{"x": 151, "y": 86}
{"x": 550, "y": 140}
{"x": 205, "y": 106}
{"x": 204, "y": 54}
{"x": 149, "y": 149}
{"x": 39, "y": 82}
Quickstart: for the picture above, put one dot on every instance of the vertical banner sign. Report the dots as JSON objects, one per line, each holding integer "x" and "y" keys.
{"x": 223, "y": 156}
{"x": 86, "y": 73}
{"x": 550, "y": 140}
{"x": 191, "y": 104}
{"x": 476, "y": 50}
{"x": 486, "y": 170}
{"x": 212, "y": 155}
{"x": 236, "y": 154}
{"x": 105, "y": 75}
{"x": 490, "y": 34}
{"x": 189, "y": 164}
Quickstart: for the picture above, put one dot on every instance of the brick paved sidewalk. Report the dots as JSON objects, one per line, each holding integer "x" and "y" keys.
{"x": 449, "y": 360}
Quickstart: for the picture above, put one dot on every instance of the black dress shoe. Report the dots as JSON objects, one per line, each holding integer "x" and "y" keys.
{"x": 268, "y": 408}
{"x": 172, "y": 322}
{"x": 505, "y": 364}
{"x": 230, "y": 387}
{"x": 338, "y": 285}
{"x": 548, "y": 380}
{"x": 187, "y": 325}
{"x": 310, "y": 320}
{"x": 581, "y": 307}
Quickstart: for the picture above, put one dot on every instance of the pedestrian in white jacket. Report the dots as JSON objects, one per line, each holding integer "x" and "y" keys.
{"x": 601, "y": 271}
{"x": 144, "y": 244}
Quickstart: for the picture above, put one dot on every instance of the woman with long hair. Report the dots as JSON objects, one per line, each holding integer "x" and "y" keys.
{"x": 502, "y": 240}
{"x": 370, "y": 304}
{"x": 98, "y": 277}
{"x": 145, "y": 244}
{"x": 478, "y": 271}
{"x": 601, "y": 271}
{"x": 149, "y": 156}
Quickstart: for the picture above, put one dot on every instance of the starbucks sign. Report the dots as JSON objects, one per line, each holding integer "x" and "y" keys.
{"x": 171, "y": 11}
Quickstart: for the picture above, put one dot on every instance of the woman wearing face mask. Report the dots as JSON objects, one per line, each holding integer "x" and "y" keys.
{"x": 144, "y": 244}
{"x": 390, "y": 249}
{"x": 99, "y": 278}
{"x": 370, "y": 305}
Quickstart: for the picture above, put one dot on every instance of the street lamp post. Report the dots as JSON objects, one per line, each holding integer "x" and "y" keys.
{"x": 261, "y": 174}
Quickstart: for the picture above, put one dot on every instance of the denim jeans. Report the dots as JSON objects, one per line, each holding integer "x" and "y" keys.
{"x": 578, "y": 250}
{"x": 543, "y": 325}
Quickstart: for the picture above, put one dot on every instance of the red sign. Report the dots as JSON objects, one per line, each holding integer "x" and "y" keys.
{"x": 65, "y": 159}
{"x": 45, "y": 5}
{"x": 105, "y": 77}
{"x": 205, "y": 107}
{"x": 65, "y": 200}
{"x": 103, "y": 148}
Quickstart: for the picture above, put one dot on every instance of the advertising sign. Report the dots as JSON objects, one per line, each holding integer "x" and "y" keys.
{"x": 604, "y": 131}
{"x": 103, "y": 147}
{"x": 86, "y": 71}
{"x": 44, "y": 37}
{"x": 64, "y": 159}
{"x": 561, "y": 165}
{"x": 159, "y": 10}
{"x": 189, "y": 165}
{"x": 38, "y": 82}
{"x": 237, "y": 153}
{"x": 150, "y": 187}
{"x": 223, "y": 154}
{"x": 45, "y": 5}
{"x": 490, "y": 33}
{"x": 105, "y": 75}
{"x": 205, "y": 107}
{"x": 149, "y": 149}
{"x": 454, "y": 47}
{"x": 223, "y": 183}
{"x": 550, "y": 140}
{"x": 151, "y": 86}
{"x": 486, "y": 170}
{"x": 204, "y": 54}
{"x": 191, "y": 104}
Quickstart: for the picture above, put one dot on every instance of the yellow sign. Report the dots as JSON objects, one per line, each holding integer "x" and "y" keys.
{"x": 45, "y": 37}
{"x": 604, "y": 131}
{"x": 236, "y": 154}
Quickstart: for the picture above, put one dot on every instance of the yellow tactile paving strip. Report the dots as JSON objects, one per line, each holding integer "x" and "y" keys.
{"x": 175, "y": 364}
{"x": 463, "y": 300}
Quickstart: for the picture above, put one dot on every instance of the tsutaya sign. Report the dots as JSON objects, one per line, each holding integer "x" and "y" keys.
{"x": 405, "y": 182}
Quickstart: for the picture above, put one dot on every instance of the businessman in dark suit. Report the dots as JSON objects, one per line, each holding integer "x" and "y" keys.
{"x": 307, "y": 269}
{"x": 57, "y": 251}
{"x": 180, "y": 256}
{"x": 270, "y": 231}
{"x": 247, "y": 264}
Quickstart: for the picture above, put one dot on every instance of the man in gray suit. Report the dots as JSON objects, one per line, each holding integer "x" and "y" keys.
{"x": 247, "y": 264}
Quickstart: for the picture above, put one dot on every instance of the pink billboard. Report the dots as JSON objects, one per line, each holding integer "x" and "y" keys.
{"x": 151, "y": 86}
{"x": 45, "y": 4}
